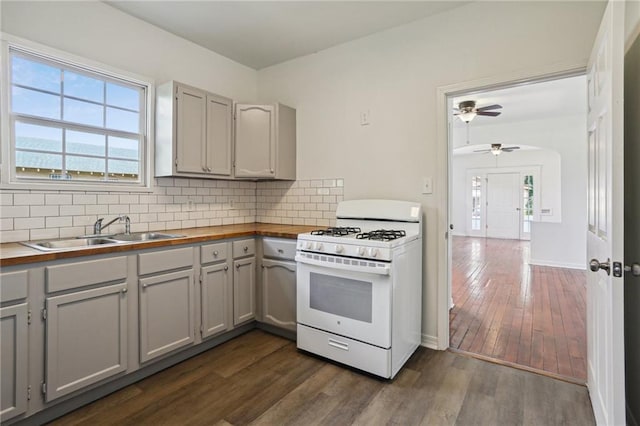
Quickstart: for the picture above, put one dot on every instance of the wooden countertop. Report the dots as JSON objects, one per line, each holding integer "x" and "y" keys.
{"x": 17, "y": 254}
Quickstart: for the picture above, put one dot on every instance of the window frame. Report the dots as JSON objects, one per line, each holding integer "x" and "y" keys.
{"x": 8, "y": 178}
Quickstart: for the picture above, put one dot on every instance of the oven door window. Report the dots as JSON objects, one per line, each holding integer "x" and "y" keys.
{"x": 340, "y": 296}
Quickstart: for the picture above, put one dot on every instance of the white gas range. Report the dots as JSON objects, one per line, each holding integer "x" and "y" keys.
{"x": 359, "y": 286}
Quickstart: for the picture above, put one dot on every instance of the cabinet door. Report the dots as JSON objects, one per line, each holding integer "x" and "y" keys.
{"x": 219, "y": 116}
{"x": 279, "y": 293}
{"x": 191, "y": 128}
{"x": 86, "y": 338}
{"x": 244, "y": 290}
{"x": 166, "y": 313}
{"x": 13, "y": 357}
{"x": 215, "y": 284}
{"x": 255, "y": 140}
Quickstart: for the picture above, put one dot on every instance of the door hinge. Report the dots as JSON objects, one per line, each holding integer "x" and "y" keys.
{"x": 201, "y": 329}
{"x": 29, "y": 317}
{"x": 44, "y": 388}
{"x": 446, "y": 237}
{"x": 29, "y": 393}
{"x": 176, "y": 161}
{"x": 200, "y": 278}
{"x": 44, "y": 314}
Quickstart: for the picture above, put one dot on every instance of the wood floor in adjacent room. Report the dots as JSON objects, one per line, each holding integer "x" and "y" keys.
{"x": 260, "y": 378}
{"x": 509, "y": 310}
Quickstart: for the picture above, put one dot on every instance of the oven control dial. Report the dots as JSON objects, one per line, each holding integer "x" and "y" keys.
{"x": 319, "y": 246}
{"x": 309, "y": 245}
{"x": 339, "y": 248}
{"x": 372, "y": 252}
{"x": 361, "y": 251}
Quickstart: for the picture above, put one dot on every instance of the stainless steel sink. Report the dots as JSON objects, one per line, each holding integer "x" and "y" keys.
{"x": 68, "y": 243}
{"x": 143, "y": 236}
{"x": 94, "y": 240}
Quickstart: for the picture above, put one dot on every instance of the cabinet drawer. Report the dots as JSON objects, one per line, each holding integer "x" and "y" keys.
{"x": 279, "y": 248}
{"x": 244, "y": 248}
{"x": 14, "y": 286}
{"x": 166, "y": 260}
{"x": 213, "y": 252}
{"x": 80, "y": 274}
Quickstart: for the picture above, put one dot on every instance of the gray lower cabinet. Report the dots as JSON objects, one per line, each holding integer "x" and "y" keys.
{"x": 13, "y": 358}
{"x": 86, "y": 338}
{"x": 244, "y": 290}
{"x": 215, "y": 281}
{"x": 166, "y": 313}
{"x": 279, "y": 293}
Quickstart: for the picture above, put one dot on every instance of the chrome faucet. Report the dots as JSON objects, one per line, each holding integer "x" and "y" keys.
{"x": 98, "y": 226}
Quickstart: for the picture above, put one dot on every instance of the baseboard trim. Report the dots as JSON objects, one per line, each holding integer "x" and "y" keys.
{"x": 430, "y": 342}
{"x": 538, "y": 262}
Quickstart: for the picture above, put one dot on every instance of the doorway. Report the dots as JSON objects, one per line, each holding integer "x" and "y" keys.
{"x": 516, "y": 298}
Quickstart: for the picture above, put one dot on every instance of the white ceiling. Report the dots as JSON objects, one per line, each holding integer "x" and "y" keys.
{"x": 535, "y": 101}
{"x": 259, "y": 34}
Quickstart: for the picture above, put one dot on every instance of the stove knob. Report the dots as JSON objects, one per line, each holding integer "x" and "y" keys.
{"x": 339, "y": 248}
{"x": 361, "y": 251}
{"x": 309, "y": 245}
{"x": 373, "y": 252}
{"x": 319, "y": 246}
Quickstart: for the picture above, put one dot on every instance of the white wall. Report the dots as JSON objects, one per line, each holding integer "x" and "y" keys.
{"x": 102, "y": 33}
{"x": 395, "y": 75}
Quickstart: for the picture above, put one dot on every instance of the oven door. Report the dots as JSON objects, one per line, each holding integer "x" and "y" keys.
{"x": 348, "y": 297}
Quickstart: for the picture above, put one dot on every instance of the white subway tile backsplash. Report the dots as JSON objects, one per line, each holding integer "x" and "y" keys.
{"x": 175, "y": 203}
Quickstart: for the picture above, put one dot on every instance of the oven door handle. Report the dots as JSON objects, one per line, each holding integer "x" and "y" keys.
{"x": 378, "y": 270}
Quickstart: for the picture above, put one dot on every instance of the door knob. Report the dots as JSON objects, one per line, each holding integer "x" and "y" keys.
{"x": 634, "y": 269}
{"x": 594, "y": 265}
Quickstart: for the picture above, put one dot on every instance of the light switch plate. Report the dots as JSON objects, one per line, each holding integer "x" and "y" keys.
{"x": 427, "y": 185}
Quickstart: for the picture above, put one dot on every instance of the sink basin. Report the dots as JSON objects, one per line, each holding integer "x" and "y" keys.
{"x": 143, "y": 236}
{"x": 68, "y": 243}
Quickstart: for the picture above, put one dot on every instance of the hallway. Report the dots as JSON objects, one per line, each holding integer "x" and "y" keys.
{"x": 507, "y": 310}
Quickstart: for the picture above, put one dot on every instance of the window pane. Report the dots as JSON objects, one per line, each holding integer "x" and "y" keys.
{"x": 83, "y": 112}
{"x": 83, "y": 87}
{"x": 84, "y": 164}
{"x": 123, "y": 148}
{"x": 123, "y": 97}
{"x": 118, "y": 119}
{"x": 122, "y": 166}
{"x": 38, "y": 160}
{"x": 30, "y": 102}
{"x": 40, "y": 138}
{"x": 34, "y": 74}
{"x": 85, "y": 143}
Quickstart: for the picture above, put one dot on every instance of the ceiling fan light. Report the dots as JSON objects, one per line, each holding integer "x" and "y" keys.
{"x": 496, "y": 151}
{"x": 467, "y": 116}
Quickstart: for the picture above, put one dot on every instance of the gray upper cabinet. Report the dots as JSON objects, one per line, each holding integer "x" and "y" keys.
{"x": 193, "y": 132}
{"x": 265, "y": 141}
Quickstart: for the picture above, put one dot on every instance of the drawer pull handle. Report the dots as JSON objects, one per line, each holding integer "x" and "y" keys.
{"x": 215, "y": 253}
{"x": 123, "y": 291}
{"x": 246, "y": 249}
{"x": 280, "y": 251}
{"x": 339, "y": 345}
{"x": 238, "y": 266}
{"x": 226, "y": 268}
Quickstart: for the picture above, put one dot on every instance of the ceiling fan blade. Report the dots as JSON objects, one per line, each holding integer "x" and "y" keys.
{"x": 489, "y": 113}
{"x": 488, "y": 107}
{"x": 483, "y": 150}
{"x": 510, "y": 148}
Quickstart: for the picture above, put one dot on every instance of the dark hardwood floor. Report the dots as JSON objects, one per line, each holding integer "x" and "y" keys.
{"x": 514, "y": 312}
{"x": 263, "y": 379}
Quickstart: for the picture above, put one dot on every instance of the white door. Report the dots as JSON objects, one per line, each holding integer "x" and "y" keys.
{"x": 605, "y": 296}
{"x": 503, "y": 205}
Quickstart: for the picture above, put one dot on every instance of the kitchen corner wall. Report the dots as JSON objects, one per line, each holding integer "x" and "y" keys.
{"x": 175, "y": 203}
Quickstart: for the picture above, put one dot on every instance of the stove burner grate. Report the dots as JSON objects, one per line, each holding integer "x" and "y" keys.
{"x": 381, "y": 235}
{"x": 337, "y": 231}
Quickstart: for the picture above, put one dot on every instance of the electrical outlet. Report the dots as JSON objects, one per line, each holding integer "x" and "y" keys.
{"x": 365, "y": 118}
{"x": 232, "y": 203}
{"x": 190, "y": 205}
{"x": 427, "y": 185}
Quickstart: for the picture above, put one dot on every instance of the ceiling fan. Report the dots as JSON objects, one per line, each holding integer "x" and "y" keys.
{"x": 467, "y": 111}
{"x": 497, "y": 149}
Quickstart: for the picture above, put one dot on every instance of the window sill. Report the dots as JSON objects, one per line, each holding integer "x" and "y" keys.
{"x": 53, "y": 186}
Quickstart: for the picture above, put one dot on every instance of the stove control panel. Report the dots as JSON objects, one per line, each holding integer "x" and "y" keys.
{"x": 350, "y": 250}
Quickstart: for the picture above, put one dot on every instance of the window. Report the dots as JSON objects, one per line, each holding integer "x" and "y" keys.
{"x": 476, "y": 193}
{"x": 527, "y": 198}
{"x": 74, "y": 125}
